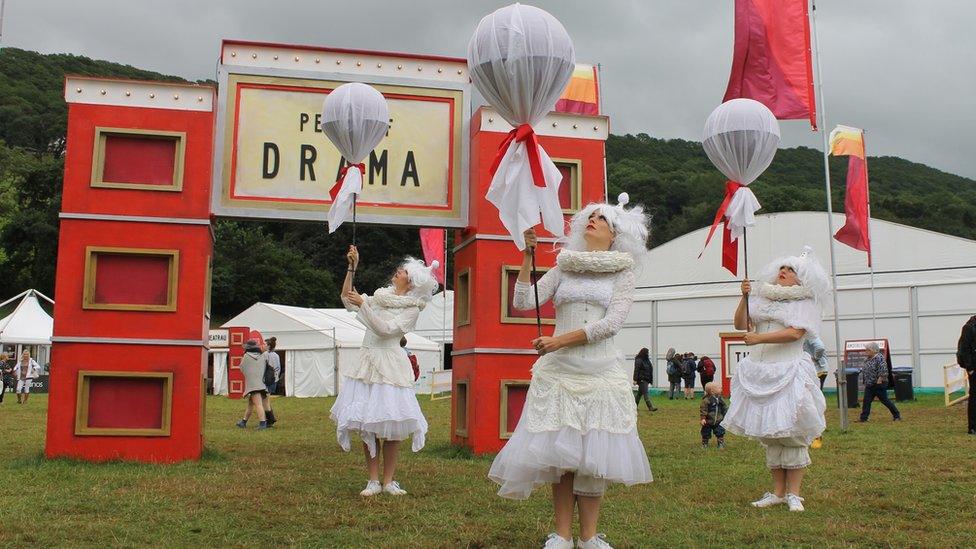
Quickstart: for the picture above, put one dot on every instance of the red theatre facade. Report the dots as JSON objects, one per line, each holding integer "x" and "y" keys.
{"x": 149, "y": 165}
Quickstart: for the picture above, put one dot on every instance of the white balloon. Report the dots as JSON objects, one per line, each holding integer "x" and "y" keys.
{"x": 355, "y": 118}
{"x": 740, "y": 138}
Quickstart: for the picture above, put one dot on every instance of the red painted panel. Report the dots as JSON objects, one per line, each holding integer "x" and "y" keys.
{"x": 192, "y": 202}
{"x": 547, "y": 310}
{"x": 125, "y": 403}
{"x": 514, "y": 404}
{"x": 187, "y": 364}
{"x": 142, "y": 160}
{"x": 566, "y": 187}
{"x": 131, "y": 279}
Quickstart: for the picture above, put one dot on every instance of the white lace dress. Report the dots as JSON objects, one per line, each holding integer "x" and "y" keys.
{"x": 775, "y": 393}
{"x": 579, "y": 414}
{"x": 377, "y": 399}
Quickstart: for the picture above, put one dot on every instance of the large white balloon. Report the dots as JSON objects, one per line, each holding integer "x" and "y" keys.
{"x": 355, "y": 118}
{"x": 521, "y": 59}
{"x": 740, "y": 138}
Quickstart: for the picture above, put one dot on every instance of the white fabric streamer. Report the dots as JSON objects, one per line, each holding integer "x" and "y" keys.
{"x": 355, "y": 117}
{"x": 740, "y": 139}
{"x": 521, "y": 59}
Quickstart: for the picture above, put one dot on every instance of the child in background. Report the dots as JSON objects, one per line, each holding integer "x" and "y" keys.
{"x": 713, "y": 410}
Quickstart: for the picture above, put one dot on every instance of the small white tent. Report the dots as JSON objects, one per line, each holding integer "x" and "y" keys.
{"x": 28, "y": 326}
{"x": 317, "y": 344}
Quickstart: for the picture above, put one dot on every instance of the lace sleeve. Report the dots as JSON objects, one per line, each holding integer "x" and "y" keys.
{"x": 524, "y": 298}
{"x": 349, "y": 306}
{"x": 804, "y": 315}
{"x": 400, "y": 324}
{"x": 613, "y": 320}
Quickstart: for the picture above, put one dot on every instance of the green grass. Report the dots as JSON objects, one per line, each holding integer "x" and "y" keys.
{"x": 880, "y": 484}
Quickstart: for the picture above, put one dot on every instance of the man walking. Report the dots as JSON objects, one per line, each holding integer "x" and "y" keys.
{"x": 875, "y": 375}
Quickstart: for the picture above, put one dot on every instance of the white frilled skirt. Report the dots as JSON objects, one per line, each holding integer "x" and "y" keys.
{"x": 377, "y": 411}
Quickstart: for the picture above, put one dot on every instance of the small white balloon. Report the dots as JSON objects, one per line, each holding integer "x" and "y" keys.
{"x": 740, "y": 138}
{"x": 355, "y": 118}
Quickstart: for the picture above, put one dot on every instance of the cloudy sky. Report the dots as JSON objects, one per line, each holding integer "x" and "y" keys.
{"x": 903, "y": 69}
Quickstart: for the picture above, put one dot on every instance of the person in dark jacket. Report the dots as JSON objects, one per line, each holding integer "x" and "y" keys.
{"x": 875, "y": 374}
{"x": 966, "y": 356}
{"x": 689, "y": 365}
{"x": 706, "y": 370}
{"x": 712, "y": 411}
{"x": 644, "y": 375}
{"x": 674, "y": 373}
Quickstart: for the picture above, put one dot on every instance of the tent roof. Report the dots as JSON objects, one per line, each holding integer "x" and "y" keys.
{"x": 28, "y": 323}
{"x": 306, "y": 328}
{"x": 436, "y": 321}
{"x": 901, "y": 255}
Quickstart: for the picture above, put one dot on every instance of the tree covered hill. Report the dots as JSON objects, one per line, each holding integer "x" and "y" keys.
{"x": 300, "y": 264}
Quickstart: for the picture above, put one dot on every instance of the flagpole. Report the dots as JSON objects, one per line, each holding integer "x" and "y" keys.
{"x": 841, "y": 376}
{"x": 867, "y": 188}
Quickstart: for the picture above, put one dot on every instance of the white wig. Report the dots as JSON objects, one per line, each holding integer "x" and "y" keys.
{"x": 809, "y": 272}
{"x": 422, "y": 281}
{"x": 628, "y": 225}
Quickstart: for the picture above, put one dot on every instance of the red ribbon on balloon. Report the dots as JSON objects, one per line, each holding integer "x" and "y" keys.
{"x": 522, "y": 134}
{"x": 334, "y": 191}
{"x": 730, "y": 250}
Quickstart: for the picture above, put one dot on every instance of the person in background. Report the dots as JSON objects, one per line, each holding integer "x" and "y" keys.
{"x": 644, "y": 376}
{"x": 688, "y": 368}
{"x": 712, "y": 411}
{"x": 6, "y": 376}
{"x": 706, "y": 370}
{"x": 252, "y": 366}
{"x": 25, "y": 371}
{"x": 674, "y": 373}
{"x": 275, "y": 362}
{"x": 412, "y": 358}
{"x": 875, "y": 377}
{"x": 966, "y": 356}
{"x": 814, "y": 347}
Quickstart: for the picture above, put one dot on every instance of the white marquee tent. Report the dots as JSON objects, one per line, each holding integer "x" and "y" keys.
{"x": 28, "y": 326}
{"x": 317, "y": 344}
{"x": 925, "y": 290}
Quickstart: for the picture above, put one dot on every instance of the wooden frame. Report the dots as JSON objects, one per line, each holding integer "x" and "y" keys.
{"x": 98, "y": 158}
{"x": 576, "y": 183}
{"x": 236, "y": 338}
{"x": 81, "y": 410}
{"x": 460, "y": 402}
{"x": 235, "y": 386}
{"x": 462, "y": 289}
{"x": 952, "y": 385}
{"x": 91, "y": 266}
{"x": 504, "y": 386}
{"x": 504, "y": 312}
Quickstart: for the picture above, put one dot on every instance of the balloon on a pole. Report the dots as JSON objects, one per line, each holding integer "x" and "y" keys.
{"x": 521, "y": 59}
{"x": 355, "y": 118}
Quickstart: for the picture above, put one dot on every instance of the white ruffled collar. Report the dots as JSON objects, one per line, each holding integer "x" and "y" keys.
{"x": 775, "y": 292}
{"x": 594, "y": 262}
{"x": 386, "y": 298}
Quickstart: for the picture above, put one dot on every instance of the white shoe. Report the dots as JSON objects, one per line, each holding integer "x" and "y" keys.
{"x": 795, "y": 502}
{"x": 393, "y": 488}
{"x": 555, "y": 541}
{"x": 598, "y": 541}
{"x": 372, "y": 488}
{"x": 768, "y": 500}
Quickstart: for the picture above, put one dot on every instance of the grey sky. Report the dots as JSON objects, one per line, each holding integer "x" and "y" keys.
{"x": 902, "y": 69}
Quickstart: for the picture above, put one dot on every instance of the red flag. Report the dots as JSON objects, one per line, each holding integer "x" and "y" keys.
{"x": 845, "y": 140}
{"x": 432, "y": 241}
{"x": 771, "y": 62}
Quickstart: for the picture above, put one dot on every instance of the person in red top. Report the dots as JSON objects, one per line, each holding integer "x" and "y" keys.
{"x": 412, "y": 357}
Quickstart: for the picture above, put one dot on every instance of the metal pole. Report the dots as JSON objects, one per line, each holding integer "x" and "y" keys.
{"x": 841, "y": 377}
{"x": 745, "y": 254}
{"x": 535, "y": 287}
{"x": 867, "y": 188}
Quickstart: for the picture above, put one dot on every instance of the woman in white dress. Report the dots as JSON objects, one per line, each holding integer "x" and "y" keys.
{"x": 377, "y": 399}
{"x": 578, "y": 429}
{"x": 776, "y": 396}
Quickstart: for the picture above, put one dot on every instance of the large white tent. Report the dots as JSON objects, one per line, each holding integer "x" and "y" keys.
{"x": 318, "y": 344}
{"x": 925, "y": 290}
{"x": 28, "y": 326}
{"x": 436, "y": 321}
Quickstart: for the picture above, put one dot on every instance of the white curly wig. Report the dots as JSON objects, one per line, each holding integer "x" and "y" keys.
{"x": 809, "y": 272}
{"x": 630, "y": 228}
{"x": 422, "y": 281}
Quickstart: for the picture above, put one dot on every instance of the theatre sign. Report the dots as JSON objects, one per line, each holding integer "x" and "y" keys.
{"x": 272, "y": 160}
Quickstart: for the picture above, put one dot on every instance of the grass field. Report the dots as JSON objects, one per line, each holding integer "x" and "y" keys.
{"x": 911, "y": 483}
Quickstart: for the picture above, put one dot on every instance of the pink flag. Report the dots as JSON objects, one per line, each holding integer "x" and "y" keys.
{"x": 432, "y": 241}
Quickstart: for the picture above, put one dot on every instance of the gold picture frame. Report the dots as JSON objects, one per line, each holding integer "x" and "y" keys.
{"x": 98, "y": 158}
{"x": 576, "y": 183}
{"x": 82, "y": 406}
{"x": 506, "y": 318}
{"x": 460, "y": 402}
{"x": 91, "y": 267}
{"x": 504, "y": 386}
{"x": 462, "y": 296}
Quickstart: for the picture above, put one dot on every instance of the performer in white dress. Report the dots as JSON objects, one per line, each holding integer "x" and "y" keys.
{"x": 377, "y": 399}
{"x": 578, "y": 429}
{"x": 776, "y": 396}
